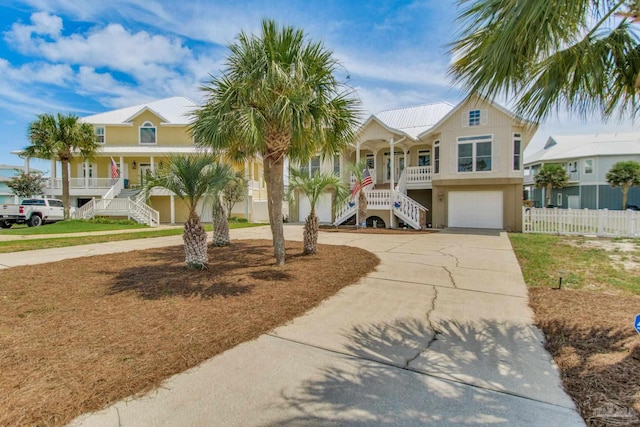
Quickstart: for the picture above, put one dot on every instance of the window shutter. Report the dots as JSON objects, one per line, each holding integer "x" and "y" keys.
{"x": 465, "y": 119}
{"x": 454, "y": 158}
{"x": 484, "y": 117}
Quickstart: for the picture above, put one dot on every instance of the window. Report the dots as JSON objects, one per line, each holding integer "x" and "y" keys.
{"x": 424, "y": 158}
{"x": 436, "y": 157}
{"x": 559, "y": 199}
{"x": 474, "y": 153}
{"x": 147, "y": 133}
{"x": 588, "y": 166}
{"x": 312, "y": 167}
{"x": 517, "y": 151}
{"x": 99, "y": 134}
{"x": 474, "y": 118}
{"x": 371, "y": 162}
{"x": 336, "y": 165}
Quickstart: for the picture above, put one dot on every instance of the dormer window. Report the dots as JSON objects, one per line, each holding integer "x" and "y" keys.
{"x": 147, "y": 133}
{"x": 99, "y": 134}
{"x": 474, "y": 118}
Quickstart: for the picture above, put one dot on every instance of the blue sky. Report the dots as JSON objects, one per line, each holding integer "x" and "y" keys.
{"x": 84, "y": 57}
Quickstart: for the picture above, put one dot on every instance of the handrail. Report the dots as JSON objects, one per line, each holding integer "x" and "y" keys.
{"x": 83, "y": 211}
{"x": 345, "y": 212}
{"x": 115, "y": 189}
{"x": 402, "y": 183}
{"x": 410, "y": 211}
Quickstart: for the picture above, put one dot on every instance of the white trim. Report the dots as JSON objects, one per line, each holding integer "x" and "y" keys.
{"x": 476, "y": 139}
{"x": 145, "y": 125}
{"x": 103, "y": 135}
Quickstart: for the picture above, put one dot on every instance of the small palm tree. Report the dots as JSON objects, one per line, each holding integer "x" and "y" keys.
{"x": 61, "y": 138}
{"x": 624, "y": 175}
{"x": 192, "y": 178}
{"x": 551, "y": 176}
{"x": 233, "y": 191}
{"x": 313, "y": 187}
{"x": 357, "y": 169}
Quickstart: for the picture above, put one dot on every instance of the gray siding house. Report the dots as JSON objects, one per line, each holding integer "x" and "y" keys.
{"x": 587, "y": 159}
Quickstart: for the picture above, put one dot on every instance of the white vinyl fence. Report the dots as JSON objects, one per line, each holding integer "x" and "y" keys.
{"x": 603, "y": 222}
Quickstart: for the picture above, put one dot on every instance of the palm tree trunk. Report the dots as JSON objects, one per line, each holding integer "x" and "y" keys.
{"x": 220, "y": 224}
{"x": 362, "y": 207}
{"x": 625, "y": 195}
{"x": 310, "y": 234}
{"x": 548, "y": 195}
{"x": 273, "y": 169}
{"x": 195, "y": 244}
{"x": 65, "y": 186}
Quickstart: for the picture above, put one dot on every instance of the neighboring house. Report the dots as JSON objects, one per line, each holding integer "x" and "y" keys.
{"x": 438, "y": 165}
{"x": 6, "y": 173}
{"x": 140, "y": 139}
{"x": 587, "y": 159}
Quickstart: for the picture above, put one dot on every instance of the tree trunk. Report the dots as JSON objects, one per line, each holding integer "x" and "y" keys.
{"x": 195, "y": 244}
{"x": 65, "y": 186}
{"x": 220, "y": 224}
{"x": 625, "y": 195}
{"x": 273, "y": 172}
{"x": 362, "y": 207}
{"x": 310, "y": 235}
{"x": 548, "y": 195}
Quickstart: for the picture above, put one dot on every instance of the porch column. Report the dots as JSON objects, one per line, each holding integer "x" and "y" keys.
{"x": 392, "y": 222}
{"x": 26, "y": 165}
{"x": 246, "y": 177}
{"x": 54, "y": 171}
{"x": 122, "y": 167}
{"x": 173, "y": 209}
{"x": 356, "y": 200}
{"x": 153, "y": 164}
{"x": 86, "y": 174}
{"x": 375, "y": 166}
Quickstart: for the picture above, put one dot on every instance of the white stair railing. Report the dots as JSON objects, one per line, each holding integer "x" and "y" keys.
{"x": 345, "y": 212}
{"x": 115, "y": 189}
{"x": 402, "y": 183}
{"x": 143, "y": 213}
{"x": 85, "y": 211}
{"x": 410, "y": 211}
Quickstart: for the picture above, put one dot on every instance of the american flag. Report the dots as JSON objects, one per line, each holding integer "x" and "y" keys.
{"x": 114, "y": 169}
{"x": 366, "y": 181}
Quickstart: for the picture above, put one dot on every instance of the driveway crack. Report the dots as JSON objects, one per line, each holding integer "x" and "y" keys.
{"x": 432, "y": 326}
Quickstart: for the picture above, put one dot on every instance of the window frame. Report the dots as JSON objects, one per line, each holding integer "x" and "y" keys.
{"x": 148, "y": 125}
{"x": 474, "y": 140}
{"x": 102, "y": 135}
{"x": 309, "y": 168}
{"x": 517, "y": 156}
{"x": 436, "y": 156}
{"x": 474, "y": 117}
{"x": 588, "y": 166}
{"x": 559, "y": 199}
{"x": 424, "y": 153}
{"x": 336, "y": 165}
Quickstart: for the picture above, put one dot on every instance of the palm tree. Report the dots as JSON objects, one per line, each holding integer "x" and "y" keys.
{"x": 278, "y": 97}
{"x": 625, "y": 175}
{"x": 313, "y": 187}
{"x": 191, "y": 178}
{"x": 551, "y": 176}
{"x": 357, "y": 169}
{"x": 61, "y": 138}
{"x": 234, "y": 191}
{"x": 550, "y": 54}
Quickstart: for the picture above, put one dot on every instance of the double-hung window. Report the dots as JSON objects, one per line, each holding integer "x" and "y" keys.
{"x": 148, "y": 133}
{"x": 436, "y": 157}
{"x": 424, "y": 157}
{"x": 99, "y": 134}
{"x": 474, "y": 153}
{"x": 336, "y": 165}
{"x": 312, "y": 167}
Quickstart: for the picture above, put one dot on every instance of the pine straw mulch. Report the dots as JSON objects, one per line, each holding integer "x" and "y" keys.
{"x": 591, "y": 337}
{"x": 80, "y": 334}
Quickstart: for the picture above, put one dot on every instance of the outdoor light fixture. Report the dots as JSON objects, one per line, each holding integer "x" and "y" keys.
{"x": 133, "y": 166}
{"x": 561, "y": 274}
{"x": 440, "y": 195}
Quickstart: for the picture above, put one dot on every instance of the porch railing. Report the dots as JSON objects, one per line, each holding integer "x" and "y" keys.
{"x": 418, "y": 174}
{"x": 56, "y": 183}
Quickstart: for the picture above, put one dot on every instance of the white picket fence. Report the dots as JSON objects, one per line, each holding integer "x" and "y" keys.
{"x": 603, "y": 222}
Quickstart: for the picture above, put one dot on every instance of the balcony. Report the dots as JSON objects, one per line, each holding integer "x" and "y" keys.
{"x": 79, "y": 186}
{"x": 413, "y": 177}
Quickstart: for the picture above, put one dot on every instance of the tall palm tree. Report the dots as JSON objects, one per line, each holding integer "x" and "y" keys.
{"x": 313, "y": 187}
{"x": 191, "y": 178}
{"x": 625, "y": 175}
{"x": 551, "y": 176}
{"x": 61, "y": 138}
{"x": 548, "y": 54}
{"x": 278, "y": 97}
{"x": 357, "y": 169}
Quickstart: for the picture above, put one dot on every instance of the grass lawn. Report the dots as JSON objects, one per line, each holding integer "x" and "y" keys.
{"x": 59, "y": 242}
{"x": 589, "y": 323}
{"x": 76, "y": 336}
{"x": 70, "y": 226}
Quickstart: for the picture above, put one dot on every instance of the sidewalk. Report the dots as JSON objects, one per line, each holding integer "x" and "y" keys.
{"x": 6, "y": 237}
{"x": 440, "y": 334}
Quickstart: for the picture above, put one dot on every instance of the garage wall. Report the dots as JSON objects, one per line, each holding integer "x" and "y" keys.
{"x": 323, "y": 208}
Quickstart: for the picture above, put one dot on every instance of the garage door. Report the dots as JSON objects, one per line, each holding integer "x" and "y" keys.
{"x": 323, "y": 208}
{"x": 475, "y": 209}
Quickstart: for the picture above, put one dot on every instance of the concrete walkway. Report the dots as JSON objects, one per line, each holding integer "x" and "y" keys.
{"x": 441, "y": 334}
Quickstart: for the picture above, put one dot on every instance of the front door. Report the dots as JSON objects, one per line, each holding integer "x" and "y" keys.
{"x": 145, "y": 171}
{"x": 399, "y": 167}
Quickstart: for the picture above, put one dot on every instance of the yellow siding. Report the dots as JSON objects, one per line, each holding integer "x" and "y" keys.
{"x": 130, "y": 135}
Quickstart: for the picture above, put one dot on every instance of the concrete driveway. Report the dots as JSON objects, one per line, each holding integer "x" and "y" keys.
{"x": 441, "y": 334}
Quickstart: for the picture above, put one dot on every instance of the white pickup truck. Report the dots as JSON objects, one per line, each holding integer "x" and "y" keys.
{"x": 33, "y": 212}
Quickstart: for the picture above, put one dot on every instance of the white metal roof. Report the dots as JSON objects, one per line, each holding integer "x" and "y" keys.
{"x": 175, "y": 110}
{"x": 567, "y": 147}
{"x": 414, "y": 120}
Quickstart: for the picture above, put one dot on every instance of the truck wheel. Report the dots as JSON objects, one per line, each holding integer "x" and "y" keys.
{"x": 35, "y": 221}
{"x": 5, "y": 224}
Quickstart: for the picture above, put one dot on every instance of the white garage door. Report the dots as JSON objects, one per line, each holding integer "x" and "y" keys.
{"x": 323, "y": 208}
{"x": 475, "y": 209}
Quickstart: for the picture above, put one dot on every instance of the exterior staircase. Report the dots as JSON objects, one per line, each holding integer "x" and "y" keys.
{"x": 120, "y": 202}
